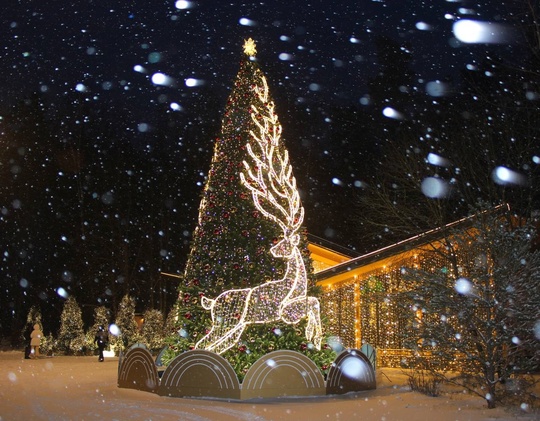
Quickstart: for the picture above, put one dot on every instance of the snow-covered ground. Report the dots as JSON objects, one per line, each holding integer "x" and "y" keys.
{"x": 81, "y": 388}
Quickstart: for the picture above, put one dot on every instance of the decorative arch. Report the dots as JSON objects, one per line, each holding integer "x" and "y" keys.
{"x": 351, "y": 372}
{"x": 138, "y": 371}
{"x": 200, "y": 373}
{"x": 283, "y": 373}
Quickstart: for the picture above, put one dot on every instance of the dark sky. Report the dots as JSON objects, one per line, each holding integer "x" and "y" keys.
{"x": 321, "y": 48}
{"x": 313, "y": 51}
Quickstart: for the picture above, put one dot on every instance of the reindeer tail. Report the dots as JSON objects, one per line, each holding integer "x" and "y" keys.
{"x": 207, "y": 303}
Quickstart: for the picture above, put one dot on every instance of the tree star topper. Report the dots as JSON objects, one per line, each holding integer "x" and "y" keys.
{"x": 249, "y": 48}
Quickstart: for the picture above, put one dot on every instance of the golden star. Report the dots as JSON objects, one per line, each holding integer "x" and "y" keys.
{"x": 249, "y": 48}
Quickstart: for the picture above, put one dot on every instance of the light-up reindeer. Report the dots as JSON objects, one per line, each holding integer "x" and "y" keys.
{"x": 274, "y": 193}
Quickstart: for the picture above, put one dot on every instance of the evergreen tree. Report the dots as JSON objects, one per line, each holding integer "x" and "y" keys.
{"x": 171, "y": 322}
{"x": 232, "y": 240}
{"x": 101, "y": 318}
{"x": 128, "y": 331}
{"x": 152, "y": 329}
{"x": 476, "y": 312}
{"x": 71, "y": 337}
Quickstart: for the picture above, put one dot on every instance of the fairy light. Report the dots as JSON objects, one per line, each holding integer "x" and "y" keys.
{"x": 363, "y": 309}
{"x": 273, "y": 189}
{"x": 356, "y": 317}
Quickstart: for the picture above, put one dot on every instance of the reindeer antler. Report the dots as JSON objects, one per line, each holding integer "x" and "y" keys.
{"x": 270, "y": 180}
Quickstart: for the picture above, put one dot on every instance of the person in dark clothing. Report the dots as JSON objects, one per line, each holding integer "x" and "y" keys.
{"x": 101, "y": 341}
{"x": 27, "y": 339}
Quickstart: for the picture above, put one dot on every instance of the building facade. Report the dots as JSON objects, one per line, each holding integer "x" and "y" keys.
{"x": 360, "y": 298}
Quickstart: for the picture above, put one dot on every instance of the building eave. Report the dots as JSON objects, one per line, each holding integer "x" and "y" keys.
{"x": 392, "y": 253}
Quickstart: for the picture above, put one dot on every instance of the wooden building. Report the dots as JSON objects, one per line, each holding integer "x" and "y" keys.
{"x": 359, "y": 293}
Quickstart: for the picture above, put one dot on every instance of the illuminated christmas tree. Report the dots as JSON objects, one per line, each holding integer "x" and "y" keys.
{"x": 71, "y": 338}
{"x": 127, "y": 332}
{"x": 249, "y": 265}
{"x": 152, "y": 329}
{"x": 102, "y": 316}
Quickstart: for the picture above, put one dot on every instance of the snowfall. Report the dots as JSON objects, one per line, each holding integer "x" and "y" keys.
{"x": 81, "y": 388}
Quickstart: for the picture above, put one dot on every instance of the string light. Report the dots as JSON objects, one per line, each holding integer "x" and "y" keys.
{"x": 364, "y": 309}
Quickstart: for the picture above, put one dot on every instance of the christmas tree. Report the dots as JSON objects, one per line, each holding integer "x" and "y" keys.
{"x": 125, "y": 332}
{"x": 101, "y": 318}
{"x": 71, "y": 337}
{"x": 152, "y": 329}
{"x": 250, "y": 213}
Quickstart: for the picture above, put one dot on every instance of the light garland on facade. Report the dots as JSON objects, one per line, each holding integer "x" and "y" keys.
{"x": 273, "y": 189}
{"x": 375, "y": 317}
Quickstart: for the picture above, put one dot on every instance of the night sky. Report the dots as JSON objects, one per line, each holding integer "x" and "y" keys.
{"x": 141, "y": 64}
{"x": 317, "y": 53}
{"x": 317, "y": 49}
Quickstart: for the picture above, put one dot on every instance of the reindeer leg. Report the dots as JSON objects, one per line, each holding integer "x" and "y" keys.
{"x": 313, "y": 328}
{"x": 229, "y": 339}
{"x": 228, "y": 313}
{"x": 220, "y": 340}
{"x": 208, "y": 340}
{"x": 301, "y": 307}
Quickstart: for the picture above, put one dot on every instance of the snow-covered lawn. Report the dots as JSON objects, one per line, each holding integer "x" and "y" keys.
{"x": 81, "y": 388}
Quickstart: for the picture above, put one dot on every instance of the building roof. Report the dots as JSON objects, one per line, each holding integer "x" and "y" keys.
{"x": 330, "y": 245}
{"x": 340, "y": 271}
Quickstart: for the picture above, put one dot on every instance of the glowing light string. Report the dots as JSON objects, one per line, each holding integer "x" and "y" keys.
{"x": 274, "y": 193}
